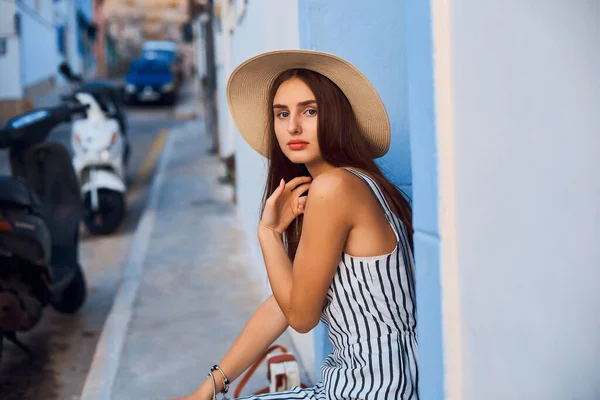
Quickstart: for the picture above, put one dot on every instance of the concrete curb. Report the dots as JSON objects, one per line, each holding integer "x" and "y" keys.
{"x": 101, "y": 377}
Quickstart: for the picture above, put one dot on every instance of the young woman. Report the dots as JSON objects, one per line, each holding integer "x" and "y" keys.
{"x": 334, "y": 232}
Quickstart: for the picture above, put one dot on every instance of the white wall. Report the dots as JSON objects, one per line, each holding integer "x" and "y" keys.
{"x": 521, "y": 139}
{"x": 249, "y": 40}
{"x": 66, "y": 14}
{"x": 223, "y": 65}
{"x": 10, "y": 83}
{"x": 266, "y": 25}
{"x": 7, "y": 12}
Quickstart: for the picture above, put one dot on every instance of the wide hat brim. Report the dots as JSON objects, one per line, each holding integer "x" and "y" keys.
{"x": 248, "y": 93}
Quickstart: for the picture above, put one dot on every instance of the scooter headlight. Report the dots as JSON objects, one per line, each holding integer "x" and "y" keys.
{"x": 130, "y": 88}
{"x": 77, "y": 140}
{"x": 113, "y": 140}
{"x": 168, "y": 87}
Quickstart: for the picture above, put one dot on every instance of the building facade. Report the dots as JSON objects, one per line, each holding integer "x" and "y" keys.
{"x": 35, "y": 37}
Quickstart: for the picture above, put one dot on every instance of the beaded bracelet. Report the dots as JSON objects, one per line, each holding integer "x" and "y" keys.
{"x": 225, "y": 380}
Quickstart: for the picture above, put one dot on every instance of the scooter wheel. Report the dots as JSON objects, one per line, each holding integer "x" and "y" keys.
{"x": 73, "y": 297}
{"x": 109, "y": 217}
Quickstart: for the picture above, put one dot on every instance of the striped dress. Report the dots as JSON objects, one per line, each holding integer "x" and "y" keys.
{"x": 370, "y": 315}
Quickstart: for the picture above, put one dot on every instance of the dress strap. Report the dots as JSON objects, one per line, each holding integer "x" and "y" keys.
{"x": 391, "y": 217}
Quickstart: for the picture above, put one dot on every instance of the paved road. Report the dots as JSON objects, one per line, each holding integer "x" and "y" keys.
{"x": 64, "y": 345}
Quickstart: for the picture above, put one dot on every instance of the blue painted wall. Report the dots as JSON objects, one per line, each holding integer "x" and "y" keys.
{"x": 423, "y": 146}
{"x": 87, "y": 7}
{"x": 371, "y": 38}
{"x": 39, "y": 48}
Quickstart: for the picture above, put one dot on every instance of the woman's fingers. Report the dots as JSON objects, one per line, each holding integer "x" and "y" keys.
{"x": 300, "y": 190}
{"x": 299, "y": 180}
{"x": 301, "y": 203}
{"x": 277, "y": 192}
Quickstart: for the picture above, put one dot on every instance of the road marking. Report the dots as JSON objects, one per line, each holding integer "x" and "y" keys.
{"x": 150, "y": 161}
{"x": 144, "y": 171}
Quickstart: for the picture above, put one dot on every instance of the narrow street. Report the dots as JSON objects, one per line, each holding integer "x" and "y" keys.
{"x": 64, "y": 345}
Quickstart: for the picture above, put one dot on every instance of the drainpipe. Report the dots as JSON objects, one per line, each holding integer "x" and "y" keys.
{"x": 211, "y": 81}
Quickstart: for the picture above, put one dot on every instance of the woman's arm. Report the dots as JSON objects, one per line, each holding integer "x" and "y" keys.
{"x": 300, "y": 290}
{"x": 264, "y": 327}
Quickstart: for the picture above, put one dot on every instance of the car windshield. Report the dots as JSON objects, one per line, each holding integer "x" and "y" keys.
{"x": 147, "y": 68}
{"x": 166, "y": 55}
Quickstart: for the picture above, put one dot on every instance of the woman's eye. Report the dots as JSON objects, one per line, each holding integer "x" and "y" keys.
{"x": 283, "y": 114}
{"x": 311, "y": 112}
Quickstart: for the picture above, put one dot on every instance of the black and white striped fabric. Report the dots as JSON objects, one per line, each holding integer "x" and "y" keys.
{"x": 370, "y": 313}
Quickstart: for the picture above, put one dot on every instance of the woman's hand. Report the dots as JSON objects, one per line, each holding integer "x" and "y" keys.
{"x": 285, "y": 204}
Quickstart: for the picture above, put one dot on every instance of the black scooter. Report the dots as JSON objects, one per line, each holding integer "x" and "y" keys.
{"x": 40, "y": 210}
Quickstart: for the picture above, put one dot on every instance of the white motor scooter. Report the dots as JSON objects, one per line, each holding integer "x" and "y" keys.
{"x": 99, "y": 150}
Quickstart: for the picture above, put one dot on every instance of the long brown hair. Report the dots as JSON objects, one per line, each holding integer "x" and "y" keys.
{"x": 341, "y": 145}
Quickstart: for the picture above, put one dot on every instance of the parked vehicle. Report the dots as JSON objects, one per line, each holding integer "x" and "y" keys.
{"x": 168, "y": 51}
{"x": 109, "y": 97}
{"x": 163, "y": 45}
{"x": 40, "y": 210}
{"x": 100, "y": 153}
{"x": 150, "y": 80}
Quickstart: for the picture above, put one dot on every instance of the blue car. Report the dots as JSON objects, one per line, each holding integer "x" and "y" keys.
{"x": 150, "y": 80}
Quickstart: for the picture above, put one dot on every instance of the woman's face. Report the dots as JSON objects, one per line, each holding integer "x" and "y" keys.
{"x": 295, "y": 121}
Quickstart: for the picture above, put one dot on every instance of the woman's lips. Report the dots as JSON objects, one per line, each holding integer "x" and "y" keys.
{"x": 297, "y": 144}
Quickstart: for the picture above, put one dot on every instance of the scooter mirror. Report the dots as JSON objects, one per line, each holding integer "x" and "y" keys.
{"x": 65, "y": 69}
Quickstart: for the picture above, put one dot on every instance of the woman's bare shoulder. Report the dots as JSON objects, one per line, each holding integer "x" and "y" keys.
{"x": 339, "y": 186}
{"x": 335, "y": 182}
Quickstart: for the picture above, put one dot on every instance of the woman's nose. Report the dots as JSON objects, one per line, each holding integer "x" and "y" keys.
{"x": 293, "y": 126}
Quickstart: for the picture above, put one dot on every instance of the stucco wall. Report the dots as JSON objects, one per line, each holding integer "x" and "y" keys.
{"x": 10, "y": 84}
{"x": 423, "y": 146}
{"x": 525, "y": 144}
{"x": 266, "y": 25}
{"x": 39, "y": 58}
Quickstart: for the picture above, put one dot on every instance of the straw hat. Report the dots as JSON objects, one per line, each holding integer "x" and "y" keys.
{"x": 249, "y": 85}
